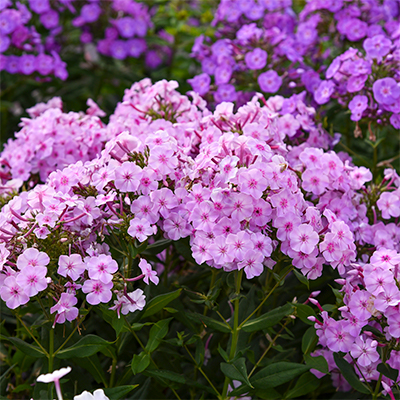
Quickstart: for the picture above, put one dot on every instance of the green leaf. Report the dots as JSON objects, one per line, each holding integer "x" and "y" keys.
{"x": 26, "y": 348}
{"x": 93, "y": 366}
{"x": 301, "y": 278}
{"x": 307, "y": 383}
{"x": 200, "y": 351}
{"x": 223, "y": 353}
{"x": 118, "y": 324}
{"x": 140, "y": 362}
{"x": 309, "y": 340}
{"x": 159, "y": 302}
{"x": 119, "y": 392}
{"x": 159, "y": 246}
{"x": 269, "y": 394}
{"x": 236, "y": 371}
{"x": 88, "y": 345}
{"x": 164, "y": 374}
{"x": 138, "y": 327}
{"x": 388, "y": 371}
{"x": 269, "y": 319}
{"x": 209, "y": 322}
{"x": 348, "y": 373}
{"x": 276, "y": 374}
{"x": 319, "y": 363}
{"x": 157, "y": 332}
{"x": 303, "y": 311}
{"x": 4, "y": 376}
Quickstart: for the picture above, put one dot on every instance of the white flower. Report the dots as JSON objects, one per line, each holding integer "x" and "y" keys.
{"x": 54, "y": 376}
{"x": 97, "y": 395}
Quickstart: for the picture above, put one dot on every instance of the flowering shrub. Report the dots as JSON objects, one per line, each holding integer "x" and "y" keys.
{"x": 175, "y": 250}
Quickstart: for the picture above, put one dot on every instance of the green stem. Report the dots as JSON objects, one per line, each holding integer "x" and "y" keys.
{"x": 213, "y": 277}
{"x": 266, "y": 297}
{"x": 271, "y": 343}
{"x": 72, "y": 333}
{"x": 236, "y": 328}
{"x": 32, "y": 336}
{"x": 224, "y": 320}
{"x": 375, "y": 395}
{"x": 113, "y": 370}
{"x": 51, "y": 350}
{"x": 203, "y": 373}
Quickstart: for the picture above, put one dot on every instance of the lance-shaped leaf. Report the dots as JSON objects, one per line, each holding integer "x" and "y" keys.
{"x": 88, "y": 345}
{"x": 157, "y": 332}
{"x": 26, "y": 348}
{"x": 159, "y": 302}
{"x": 277, "y": 374}
{"x": 119, "y": 392}
{"x": 209, "y": 322}
{"x": 269, "y": 319}
{"x": 306, "y": 384}
{"x": 236, "y": 371}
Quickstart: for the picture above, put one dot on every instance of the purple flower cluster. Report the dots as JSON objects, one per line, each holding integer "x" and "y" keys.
{"x": 23, "y": 50}
{"x": 268, "y": 42}
{"x": 368, "y": 84}
{"x": 51, "y": 140}
{"x": 228, "y": 181}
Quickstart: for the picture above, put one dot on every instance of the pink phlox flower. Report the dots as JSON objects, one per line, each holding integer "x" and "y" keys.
{"x": 338, "y": 337}
{"x": 72, "y": 287}
{"x": 32, "y": 279}
{"x": 242, "y": 206}
{"x": 162, "y": 159}
{"x": 148, "y": 272}
{"x": 389, "y": 205}
{"x": 127, "y": 177}
{"x": 285, "y": 225}
{"x": 221, "y": 251}
{"x": 361, "y": 304}
{"x": 389, "y": 297}
{"x": 284, "y": 202}
{"x": 228, "y": 168}
{"x": 252, "y": 182}
{"x": 240, "y": 243}
{"x": 312, "y": 157}
{"x": 261, "y": 243}
{"x": 55, "y": 377}
{"x": 330, "y": 248}
{"x": 135, "y": 301}
{"x": 385, "y": 258}
{"x": 12, "y": 293}
{"x": 359, "y": 176}
{"x": 303, "y": 260}
{"x": 47, "y": 219}
{"x": 103, "y": 176}
{"x": 252, "y": 264}
{"x": 315, "y": 271}
{"x": 203, "y": 216}
{"x": 143, "y": 207}
{"x": 377, "y": 278}
{"x": 148, "y": 181}
{"x": 222, "y": 201}
{"x": 65, "y": 308}
{"x": 303, "y": 238}
{"x": 225, "y": 226}
{"x": 200, "y": 250}
{"x": 105, "y": 198}
{"x": 354, "y": 324}
{"x": 364, "y": 351}
{"x": 97, "y": 395}
{"x": 101, "y": 268}
{"x": 342, "y": 234}
{"x": 261, "y": 213}
{"x": 71, "y": 266}
{"x": 288, "y": 125}
{"x": 313, "y": 217}
{"x": 32, "y": 257}
{"x": 176, "y": 227}
{"x": 197, "y": 195}
{"x": 315, "y": 181}
{"x": 97, "y": 291}
{"x": 333, "y": 164}
{"x": 38, "y": 195}
{"x": 140, "y": 228}
{"x": 164, "y": 201}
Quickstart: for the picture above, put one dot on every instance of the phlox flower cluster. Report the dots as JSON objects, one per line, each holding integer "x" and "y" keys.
{"x": 368, "y": 328}
{"x": 368, "y": 84}
{"x": 52, "y": 139}
{"x": 270, "y": 43}
{"x": 241, "y": 185}
{"x": 23, "y": 50}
